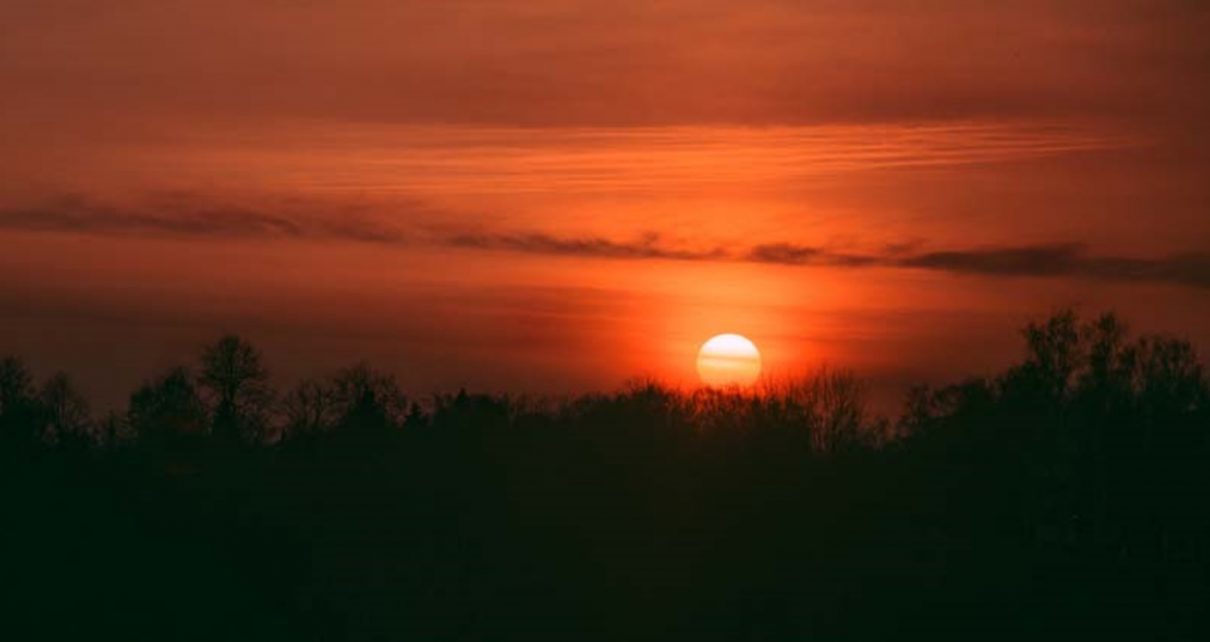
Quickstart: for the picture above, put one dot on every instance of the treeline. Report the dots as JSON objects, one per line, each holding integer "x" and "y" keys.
{"x": 1068, "y": 496}
{"x": 227, "y": 400}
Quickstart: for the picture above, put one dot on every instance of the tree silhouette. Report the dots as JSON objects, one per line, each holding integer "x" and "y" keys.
{"x": 363, "y": 392}
{"x": 167, "y": 411}
{"x": 18, "y": 426}
{"x": 310, "y": 409}
{"x": 1068, "y": 494}
{"x": 1055, "y": 351}
{"x": 357, "y": 402}
{"x": 64, "y": 412}
{"x": 238, "y": 385}
{"x": 113, "y": 430}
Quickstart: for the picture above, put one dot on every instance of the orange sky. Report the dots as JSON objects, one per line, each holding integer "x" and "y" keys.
{"x": 555, "y": 196}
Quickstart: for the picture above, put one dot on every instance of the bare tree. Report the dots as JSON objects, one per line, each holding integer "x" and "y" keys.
{"x": 17, "y": 403}
{"x": 237, "y": 384}
{"x": 1056, "y": 352}
{"x": 310, "y": 408}
{"x": 64, "y": 412}
{"x": 365, "y": 396}
{"x": 113, "y": 430}
{"x": 167, "y": 409}
{"x": 16, "y": 384}
{"x": 836, "y": 403}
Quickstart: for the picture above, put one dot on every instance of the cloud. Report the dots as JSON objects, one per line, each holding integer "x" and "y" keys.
{"x": 1047, "y": 260}
{"x": 1037, "y": 260}
{"x": 627, "y": 61}
{"x": 649, "y": 246}
{"x": 789, "y": 254}
{"x": 1044, "y": 260}
{"x": 183, "y": 215}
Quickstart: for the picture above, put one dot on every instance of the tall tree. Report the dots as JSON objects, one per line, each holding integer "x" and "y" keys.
{"x": 367, "y": 399}
{"x": 310, "y": 408}
{"x": 64, "y": 412}
{"x": 17, "y": 403}
{"x": 238, "y": 386}
{"x": 167, "y": 410}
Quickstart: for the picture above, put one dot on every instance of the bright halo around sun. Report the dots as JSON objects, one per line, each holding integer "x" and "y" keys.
{"x": 728, "y": 360}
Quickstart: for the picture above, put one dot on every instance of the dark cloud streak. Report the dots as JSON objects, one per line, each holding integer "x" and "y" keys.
{"x": 1049, "y": 260}
{"x": 184, "y": 217}
{"x": 223, "y": 222}
{"x": 648, "y": 247}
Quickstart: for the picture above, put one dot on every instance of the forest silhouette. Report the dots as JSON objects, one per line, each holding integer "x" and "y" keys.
{"x": 1067, "y": 497}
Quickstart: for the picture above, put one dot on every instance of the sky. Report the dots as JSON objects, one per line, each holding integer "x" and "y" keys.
{"x": 558, "y": 196}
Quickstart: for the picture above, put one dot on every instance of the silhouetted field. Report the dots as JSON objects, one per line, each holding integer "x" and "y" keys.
{"x": 1066, "y": 498}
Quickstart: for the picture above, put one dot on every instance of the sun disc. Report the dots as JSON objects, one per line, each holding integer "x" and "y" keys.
{"x": 728, "y": 360}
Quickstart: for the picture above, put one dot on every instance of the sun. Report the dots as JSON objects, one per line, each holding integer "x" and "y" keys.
{"x": 728, "y": 360}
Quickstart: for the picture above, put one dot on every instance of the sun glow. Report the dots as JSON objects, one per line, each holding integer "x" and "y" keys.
{"x": 728, "y": 360}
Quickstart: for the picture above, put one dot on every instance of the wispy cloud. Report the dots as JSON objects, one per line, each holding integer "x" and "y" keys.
{"x": 789, "y": 254}
{"x": 649, "y": 246}
{"x": 626, "y": 61}
{"x": 1044, "y": 260}
{"x": 183, "y": 216}
{"x": 440, "y": 161}
{"x": 1048, "y": 260}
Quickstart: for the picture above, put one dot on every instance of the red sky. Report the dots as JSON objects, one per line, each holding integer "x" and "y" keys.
{"x": 555, "y": 196}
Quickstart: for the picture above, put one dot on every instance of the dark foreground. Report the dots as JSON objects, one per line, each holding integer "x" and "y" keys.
{"x": 1068, "y": 498}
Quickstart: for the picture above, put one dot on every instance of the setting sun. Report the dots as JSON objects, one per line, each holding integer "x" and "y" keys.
{"x": 728, "y": 359}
